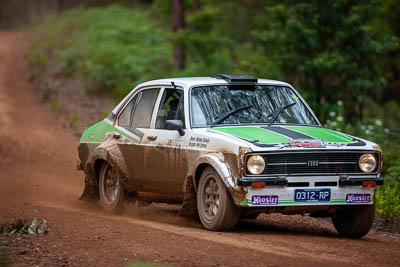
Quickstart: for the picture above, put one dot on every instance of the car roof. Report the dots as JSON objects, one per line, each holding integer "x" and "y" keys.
{"x": 188, "y": 82}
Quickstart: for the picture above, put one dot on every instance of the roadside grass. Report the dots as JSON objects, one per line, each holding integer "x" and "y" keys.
{"x": 73, "y": 120}
{"x": 4, "y": 256}
{"x": 388, "y": 202}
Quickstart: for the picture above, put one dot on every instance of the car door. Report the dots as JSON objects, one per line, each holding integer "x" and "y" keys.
{"x": 166, "y": 166}
{"x": 135, "y": 121}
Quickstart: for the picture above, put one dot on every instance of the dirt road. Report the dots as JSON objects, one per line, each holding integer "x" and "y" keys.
{"x": 38, "y": 179}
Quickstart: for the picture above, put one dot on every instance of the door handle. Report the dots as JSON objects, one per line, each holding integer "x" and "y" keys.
{"x": 152, "y": 137}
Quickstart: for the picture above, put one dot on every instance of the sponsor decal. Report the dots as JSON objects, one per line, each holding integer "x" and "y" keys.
{"x": 198, "y": 142}
{"x": 358, "y": 198}
{"x": 265, "y": 200}
{"x": 306, "y": 144}
{"x": 309, "y": 144}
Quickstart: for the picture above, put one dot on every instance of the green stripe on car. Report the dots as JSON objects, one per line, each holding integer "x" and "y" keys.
{"x": 324, "y": 134}
{"x": 97, "y": 132}
{"x": 338, "y": 201}
{"x": 286, "y": 202}
{"x": 263, "y": 135}
{"x": 254, "y": 133}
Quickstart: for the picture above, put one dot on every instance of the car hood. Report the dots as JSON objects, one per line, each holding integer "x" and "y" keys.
{"x": 293, "y": 137}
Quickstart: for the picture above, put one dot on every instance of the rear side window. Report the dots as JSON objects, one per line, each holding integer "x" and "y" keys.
{"x": 125, "y": 119}
{"x": 144, "y": 108}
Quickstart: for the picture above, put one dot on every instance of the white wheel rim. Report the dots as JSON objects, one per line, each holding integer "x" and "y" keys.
{"x": 210, "y": 198}
{"x": 111, "y": 185}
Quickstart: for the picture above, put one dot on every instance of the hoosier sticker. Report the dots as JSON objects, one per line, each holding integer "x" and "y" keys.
{"x": 265, "y": 200}
{"x": 358, "y": 198}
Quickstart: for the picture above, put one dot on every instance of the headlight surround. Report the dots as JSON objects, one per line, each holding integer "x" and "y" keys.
{"x": 255, "y": 164}
{"x": 367, "y": 162}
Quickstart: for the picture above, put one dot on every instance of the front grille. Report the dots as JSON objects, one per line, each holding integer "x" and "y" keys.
{"x": 316, "y": 162}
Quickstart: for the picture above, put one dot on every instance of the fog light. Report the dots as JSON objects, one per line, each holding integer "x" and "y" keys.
{"x": 369, "y": 184}
{"x": 258, "y": 184}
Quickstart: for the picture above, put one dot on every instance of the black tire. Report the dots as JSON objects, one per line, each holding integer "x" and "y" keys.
{"x": 354, "y": 221}
{"x": 216, "y": 209}
{"x": 111, "y": 190}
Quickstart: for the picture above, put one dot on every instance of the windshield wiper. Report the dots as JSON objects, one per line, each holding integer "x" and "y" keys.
{"x": 221, "y": 117}
{"x": 276, "y": 113}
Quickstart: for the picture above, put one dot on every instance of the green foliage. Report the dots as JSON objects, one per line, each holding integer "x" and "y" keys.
{"x": 73, "y": 120}
{"x": 393, "y": 172}
{"x": 23, "y": 227}
{"x": 378, "y": 125}
{"x": 387, "y": 28}
{"x": 37, "y": 57}
{"x": 326, "y": 48}
{"x": 218, "y": 38}
{"x": 109, "y": 47}
{"x": 55, "y": 104}
{"x": 388, "y": 201}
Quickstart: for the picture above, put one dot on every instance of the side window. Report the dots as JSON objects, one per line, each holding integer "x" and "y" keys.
{"x": 198, "y": 117}
{"x": 171, "y": 108}
{"x": 125, "y": 118}
{"x": 144, "y": 108}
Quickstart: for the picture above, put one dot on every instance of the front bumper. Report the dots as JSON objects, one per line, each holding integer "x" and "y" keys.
{"x": 281, "y": 191}
{"x": 284, "y": 181}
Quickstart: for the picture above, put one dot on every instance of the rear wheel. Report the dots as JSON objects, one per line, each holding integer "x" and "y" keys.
{"x": 354, "y": 221}
{"x": 111, "y": 190}
{"x": 215, "y": 206}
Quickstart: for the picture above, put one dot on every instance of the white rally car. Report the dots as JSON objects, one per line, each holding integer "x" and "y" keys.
{"x": 229, "y": 147}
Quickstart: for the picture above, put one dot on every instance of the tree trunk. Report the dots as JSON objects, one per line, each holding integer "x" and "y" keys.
{"x": 178, "y": 22}
{"x": 195, "y": 5}
{"x": 1, "y": 15}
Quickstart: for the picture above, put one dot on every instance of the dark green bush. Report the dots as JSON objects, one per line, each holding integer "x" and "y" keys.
{"x": 109, "y": 47}
{"x": 388, "y": 202}
{"x": 115, "y": 47}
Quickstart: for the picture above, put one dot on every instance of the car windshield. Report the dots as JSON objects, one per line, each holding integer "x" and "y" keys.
{"x": 251, "y": 104}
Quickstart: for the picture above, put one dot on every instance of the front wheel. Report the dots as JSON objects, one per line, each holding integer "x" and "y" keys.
{"x": 354, "y": 221}
{"x": 111, "y": 190}
{"x": 215, "y": 206}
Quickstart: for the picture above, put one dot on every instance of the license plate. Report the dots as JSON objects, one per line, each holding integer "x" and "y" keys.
{"x": 312, "y": 195}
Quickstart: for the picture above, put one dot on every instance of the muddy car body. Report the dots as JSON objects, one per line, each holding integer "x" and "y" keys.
{"x": 230, "y": 147}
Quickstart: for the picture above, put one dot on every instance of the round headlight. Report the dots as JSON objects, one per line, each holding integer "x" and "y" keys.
{"x": 367, "y": 162}
{"x": 255, "y": 164}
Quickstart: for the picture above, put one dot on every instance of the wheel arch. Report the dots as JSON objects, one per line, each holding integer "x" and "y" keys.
{"x": 218, "y": 164}
{"x": 109, "y": 151}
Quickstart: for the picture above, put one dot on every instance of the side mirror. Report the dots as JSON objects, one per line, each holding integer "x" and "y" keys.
{"x": 175, "y": 125}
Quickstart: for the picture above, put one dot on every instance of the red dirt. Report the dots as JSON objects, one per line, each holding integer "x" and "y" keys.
{"x": 38, "y": 179}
